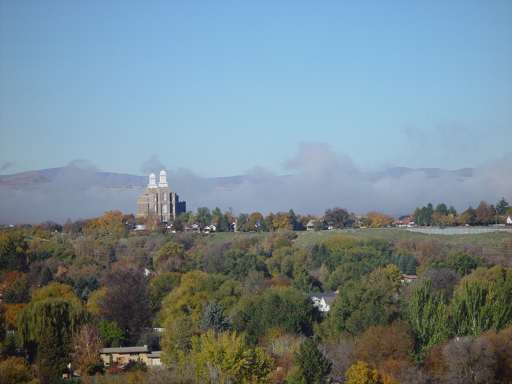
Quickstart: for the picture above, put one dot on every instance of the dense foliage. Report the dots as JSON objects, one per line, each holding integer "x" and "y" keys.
{"x": 236, "y": 307}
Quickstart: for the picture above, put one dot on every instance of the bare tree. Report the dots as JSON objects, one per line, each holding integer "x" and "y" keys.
{"x": 341, "y": 355}
{"x": 470, "y": 360}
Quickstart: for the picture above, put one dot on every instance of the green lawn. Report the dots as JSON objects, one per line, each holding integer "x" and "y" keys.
{"x": 495, "y": 241}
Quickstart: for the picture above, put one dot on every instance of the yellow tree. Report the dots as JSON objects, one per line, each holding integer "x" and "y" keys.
{"x": 226, "y": 358}
{"x": 361, "y": 373}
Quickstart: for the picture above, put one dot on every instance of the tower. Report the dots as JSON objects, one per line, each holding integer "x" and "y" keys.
{"x": 159, "y": 200}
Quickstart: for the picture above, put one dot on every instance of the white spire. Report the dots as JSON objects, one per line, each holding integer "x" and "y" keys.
{"x": 152, "y": 181}
{"x": 163, "y": 179}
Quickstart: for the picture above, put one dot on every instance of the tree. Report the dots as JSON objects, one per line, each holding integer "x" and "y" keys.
{"x": 502, "y": 206}
{"x": 479, "y": 305}
{"x": 361, "y": 373}
{"x": 111, "y": 334}
{"x": 225, "y": 225}
{"x": 203, "y": 216}
{"x": 213, "y": 318}
{"x": 313, "y": 366}
{"x": 470, "y": 360}
{"x": 319, "y": 225}
{"x": 441, "y": 209}
{"x": 241, "y": 221}
{"x": 127, "y": 299}
{"x": 378, "y": 344}
{"x": 226, "y": 358}
{"x": 16, "y": 370}
{"x": 53, "y": 351}
{"x": 336, "y": 215}
{"x": 484, "y": 214}
{"x": 47, "y": 276}
{"x": 87, "y": 345}
{"x": 429, "y": 318}
{"x": 13, "y": 252}
{"x": 50, "y": 313}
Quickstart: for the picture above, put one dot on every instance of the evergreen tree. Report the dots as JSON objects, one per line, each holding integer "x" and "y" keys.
{"x": 110, "y": 251}
{"x": 410, "y": 267}
{"x": 213, "y": 318}
{"x": 53, "y": 351}
{"x": 501, "y": 206}
{"x": 302, "y": 282}
{"x": 47, "y": 276}
{"x": 313, "y": 366}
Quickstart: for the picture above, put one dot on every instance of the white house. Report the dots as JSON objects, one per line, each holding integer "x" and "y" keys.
{"x": 323, "y": 301}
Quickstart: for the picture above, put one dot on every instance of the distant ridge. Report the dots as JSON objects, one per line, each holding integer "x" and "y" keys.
{"x": 90, "y": 178}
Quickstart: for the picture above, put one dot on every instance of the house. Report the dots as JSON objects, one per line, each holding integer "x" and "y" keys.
{"x": 404, "y": 221}
{"x": 509, "y": 220}
{"x": 323, "y": 301}
{"x": 193, "y": 228}
{"x": 409, "y": 278}
{"x": 310, "y": 226}
{"x": 123, "y": 355}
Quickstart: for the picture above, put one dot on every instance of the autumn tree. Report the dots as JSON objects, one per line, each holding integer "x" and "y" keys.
{"x": 226, "y": 358}
{"x": 13, "y": 252}
{"x": 470, "y": 360}
{"x": 16, "y": 370}
{"x": 337, "y": 216}
{"x": 361, "y": 373}
{"x": 127, "y": 298}
{"x": 87, "y": 345}
{"x": 378, "y": 344}
{"x": 484, "y": 214}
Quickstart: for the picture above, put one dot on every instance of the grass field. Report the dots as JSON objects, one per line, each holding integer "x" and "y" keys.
{"x": 493, "y": 241}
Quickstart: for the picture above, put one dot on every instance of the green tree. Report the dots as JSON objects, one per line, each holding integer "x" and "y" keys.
{"x": 50, "y": 313}
{"x": 47, "y": 276}
{"x": 203, "y": 216}
{"x": 313, "y": 366}
{"x": 225, "y": 225}
{"x": 13, "y": 252}
{"x": 429, "y": 318}
{"x": 241, "y": 221}
{"x": 54, "y": 351}
{"x": 111, "y": 333}
{"x": 161, "y": 285}
{"x": 478, "y": 305}
{"x": 502, "y": 206}
{"x": 442, "y": 209}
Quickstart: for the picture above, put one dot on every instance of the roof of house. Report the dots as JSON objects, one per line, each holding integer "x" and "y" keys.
{"x": 124, "y": 350}
{"x": 154, "y": 355}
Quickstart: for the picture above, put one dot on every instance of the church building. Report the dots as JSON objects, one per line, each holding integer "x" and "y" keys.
{"x": 159, "y": 200}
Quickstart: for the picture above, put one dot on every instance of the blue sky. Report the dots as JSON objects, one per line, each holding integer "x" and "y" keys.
{"x": 222, "y": 87}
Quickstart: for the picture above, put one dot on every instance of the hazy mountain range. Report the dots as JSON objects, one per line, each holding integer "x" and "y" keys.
{"x": 90, "y": 178}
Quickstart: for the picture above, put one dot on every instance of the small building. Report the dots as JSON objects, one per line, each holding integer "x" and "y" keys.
{"x": 323, "y": 301}
{"x": 123, "y": 355}
{"x": 193, "y": 228}
{"x": 409, "y": 278}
